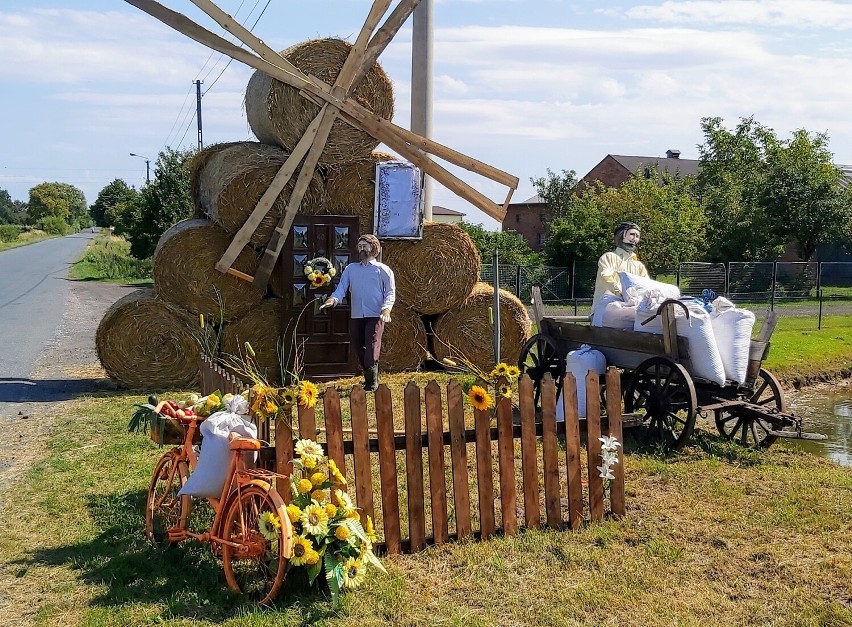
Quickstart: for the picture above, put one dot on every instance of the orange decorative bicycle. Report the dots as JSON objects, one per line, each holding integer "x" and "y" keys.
{"x": 251, "y": 530}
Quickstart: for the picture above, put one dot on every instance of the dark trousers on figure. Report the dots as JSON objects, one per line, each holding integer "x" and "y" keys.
{"x": 367, "y": 340}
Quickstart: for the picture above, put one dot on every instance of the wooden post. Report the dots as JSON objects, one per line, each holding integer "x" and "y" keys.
{"x": 593, "y": 445}
{"x": 572, "y": 451}
{"x": 613, "y": 412}
{"x": 550, "y": 452}
{"x": 414, "y": 468}
{"x": 361, "y": 453}
{"x": 387, "y": 469}
{"x": 529, "y": 453}
{"x": 484, "y": 472}
{"x": 307, "y": 423}
{"x": 334, "y": 431}
{"x": 506, "y": 458}
{"x": 437, "y": 481}
{"x": 283, "y": 455}
{"x": 458, "y": 456}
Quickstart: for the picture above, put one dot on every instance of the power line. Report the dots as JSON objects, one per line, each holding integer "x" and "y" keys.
{"x": 241, "y": 45}
{"x": 171, "y": 130}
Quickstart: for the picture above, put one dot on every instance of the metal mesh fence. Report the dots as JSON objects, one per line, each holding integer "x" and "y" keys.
{"x": 800, "y": 288}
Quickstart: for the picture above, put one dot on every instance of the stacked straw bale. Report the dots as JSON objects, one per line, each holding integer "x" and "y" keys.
{"x": 467, "y": 331}
{"x": 144, "y": 342}
{"x": 351, "y": 189}
{"x": 230, "y": 182}
{"x": 435, "y": 274}
{"x": 262, "y": 327}
{"x": 278, "y": 114}
{"x": 185, "y": 274}
{"x": 403, "y": 341}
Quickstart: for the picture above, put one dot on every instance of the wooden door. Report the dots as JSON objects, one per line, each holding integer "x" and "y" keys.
{"x": 324, "y": 335}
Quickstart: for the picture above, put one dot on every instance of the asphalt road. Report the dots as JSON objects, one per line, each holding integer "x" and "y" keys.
{"x": 47, "y": 322}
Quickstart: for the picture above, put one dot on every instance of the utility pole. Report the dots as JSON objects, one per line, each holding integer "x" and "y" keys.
{"x": 421, "y": 86}
{"x": 198, "y": 85}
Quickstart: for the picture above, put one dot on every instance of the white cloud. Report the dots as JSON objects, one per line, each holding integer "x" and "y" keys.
{"x": 799, "y": 14}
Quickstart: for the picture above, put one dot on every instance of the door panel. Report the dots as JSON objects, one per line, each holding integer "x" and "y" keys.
{"x": 324, "y": 335}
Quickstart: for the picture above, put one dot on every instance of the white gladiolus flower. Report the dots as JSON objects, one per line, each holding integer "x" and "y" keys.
{"x": 605, "y": 473}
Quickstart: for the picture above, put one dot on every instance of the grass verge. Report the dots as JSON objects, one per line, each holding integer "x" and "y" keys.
{"x": 27, "y": 237}
{"x": 716, "y": 534}
{"x": 108, "y": 259}
{"x": 801, "y": 353}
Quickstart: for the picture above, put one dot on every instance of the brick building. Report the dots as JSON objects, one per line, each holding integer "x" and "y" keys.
{"x": 531, "y": 217}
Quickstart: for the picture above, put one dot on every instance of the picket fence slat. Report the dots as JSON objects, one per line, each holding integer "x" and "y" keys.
{"x": 593, "y": 445}
{"x": 550, "y": 454}
{"x": 529, "y": 454}
{"x": 414, "y": 467}
{"x": 437, "y": 480}
{"x": 458, "y": 455}
{"x": 484, "y": 472}
{"x": 452, "y": 436}
{"x": 361, "y": 453}
{"x": 387, "y": 470}
{"x": 572, "y": 451}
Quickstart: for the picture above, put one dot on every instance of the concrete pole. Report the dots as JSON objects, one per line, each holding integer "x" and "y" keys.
{"x": 421, "y": 85}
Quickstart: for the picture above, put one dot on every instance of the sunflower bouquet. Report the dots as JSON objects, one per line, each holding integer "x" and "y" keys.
{"x": 328, "y": 535}
{"x": 319, "y": 271}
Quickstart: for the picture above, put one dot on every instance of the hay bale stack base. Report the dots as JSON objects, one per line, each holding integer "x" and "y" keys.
{"x": 469, "y": 331}
{"x": 185, "y": 273}
{"x": 403, "y": 341}
{"x": 262, "y": 327}
{"x": 146, "y": 343}
{"x": 231, "y": 181}
{"x": 436, "y": 274}
{"x": 278, "y": 115}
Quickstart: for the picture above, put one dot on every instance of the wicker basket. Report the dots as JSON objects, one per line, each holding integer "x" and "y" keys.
{"x": 167, "y": 431}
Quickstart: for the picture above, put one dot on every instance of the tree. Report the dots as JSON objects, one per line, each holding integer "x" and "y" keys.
{"x": 58, "y": 200}
{"x": 9, "y": 209}
{"x": 114, "y": 193}
{"x": 512, "y": 248}
{"x": 556, "y": 190}
{"x": 761, "y": 192}
{"x": 672, "y": 221}
{"x": 803, "y": 194}
{"x": 161, "y": 204}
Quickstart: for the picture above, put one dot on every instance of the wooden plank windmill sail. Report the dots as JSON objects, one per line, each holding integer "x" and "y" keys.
{"x": 334, "y": 102}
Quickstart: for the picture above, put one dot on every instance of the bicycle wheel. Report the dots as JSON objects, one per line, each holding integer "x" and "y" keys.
{"x": 164, "y": 509}
{"x": 256, "y": 566}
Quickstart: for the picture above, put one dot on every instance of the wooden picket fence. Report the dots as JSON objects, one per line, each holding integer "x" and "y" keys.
{"x": 522, "y": 450}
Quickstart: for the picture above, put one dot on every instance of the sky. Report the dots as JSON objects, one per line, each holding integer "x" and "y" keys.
{"x": 523, "y": 86}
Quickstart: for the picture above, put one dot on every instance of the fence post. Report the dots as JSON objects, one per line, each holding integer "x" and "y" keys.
{"x": 774, "y": 279}
{"x": 677, "y": 279}
{"x": 573, "y": 283}
{"x": 518, "y": 280}
{"x": 819, "y": 293}
{"x": 727, "y": 265}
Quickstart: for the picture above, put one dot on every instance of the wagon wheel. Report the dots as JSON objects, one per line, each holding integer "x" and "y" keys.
{"x": 539, "y": 356}
{"x": 751, "y": 430}
{"x": 663, "y": 391}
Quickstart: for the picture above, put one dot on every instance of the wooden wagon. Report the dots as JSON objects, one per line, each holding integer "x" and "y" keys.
{"x": 660, "y": 390}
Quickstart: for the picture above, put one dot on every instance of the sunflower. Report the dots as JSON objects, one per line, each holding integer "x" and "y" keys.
{"x": 319, "y": 280}
{"x": 294, "y": 513}
{"x": 513, "y": 372}
{"x": 342, "y": 533}
{"x": 269, "y": 525}
{"x": 308, "y": 447}
{"x": 479, "y": 398}
{"x": 288, "y": 397}
{"x": 505, "y": 391}
{"x": 269, "y": 408}
{"x": 304, "y": 486}
{"x": 302, "y": 547}
{"x": 315, "y": 520}
{"x": 501, "y": 369}
{"x": 335, "y": 472}
{"x": 308, "y": 394}
{"x": 318, "y": 477}
{"x": 353, "y": 573}
{"x": 341, "y": 499}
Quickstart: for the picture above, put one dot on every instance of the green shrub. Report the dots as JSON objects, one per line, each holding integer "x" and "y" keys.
{"x": 109, "y": 258}
{"x": 9, "y": 232}
{"x": 54, "y": 225}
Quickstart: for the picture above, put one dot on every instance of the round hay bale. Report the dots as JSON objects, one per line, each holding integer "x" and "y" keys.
{"x": 195, "y": 164}
{"x": 145, "y": 343}
{"x": 277, "y": 114}
{"x": 262, "y": 327}
{"x": 437, "y": 273}
{"x": 350, "y": 189}
{"x": 403, "y": 341}
{"x": 185, "y": 273}
{"x": 232, "y": 180}
{"x": 467, "y": 331}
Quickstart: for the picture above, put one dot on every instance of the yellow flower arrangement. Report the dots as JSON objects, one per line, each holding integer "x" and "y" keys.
{"x": 328, "y": 535}
{"x": 480, "y": 398}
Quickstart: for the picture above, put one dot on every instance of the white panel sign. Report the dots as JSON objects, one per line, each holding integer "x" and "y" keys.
{"x": 399, "y": 201}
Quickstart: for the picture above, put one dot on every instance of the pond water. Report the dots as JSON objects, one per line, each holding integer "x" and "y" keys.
{"x": 825, "y": 409}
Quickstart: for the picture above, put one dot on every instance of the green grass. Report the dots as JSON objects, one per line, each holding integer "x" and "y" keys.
{"x": 716, "y": 534}
{"x": 27, "y": 237}
{"x": 108, "y": 259}
{"x": 800, "y": 351}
